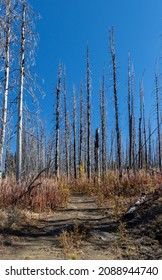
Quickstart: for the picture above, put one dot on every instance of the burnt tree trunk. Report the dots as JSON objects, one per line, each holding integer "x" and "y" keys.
{"x": 97, "y": 153}
{"x": 66, "y": 129}
{"x": 57, "y": 128}
{"x": 114, "y": 65}
{"x": 103, "y": 125}
{"x": 158, "y": 120}
{"x": 74, "y": 132}
{"x": 88, "y": 117}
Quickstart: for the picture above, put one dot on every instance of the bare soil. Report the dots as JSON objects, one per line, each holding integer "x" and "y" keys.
{"x": 83, "y": 230}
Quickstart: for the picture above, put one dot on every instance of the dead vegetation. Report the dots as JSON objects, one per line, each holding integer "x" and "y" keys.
{"x": 81, "y": 219}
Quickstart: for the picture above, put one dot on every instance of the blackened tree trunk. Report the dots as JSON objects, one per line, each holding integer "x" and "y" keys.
{"x": 81, "y": 129}
{"x": 88, "y": 117}
{"x": 103, "y": 125}
{"x": 145, "y": 137}
{"x": 114, "y": 65}
{"x": 140, "y": 146}
{"x": 66, "y": 129}
{"x": 129, "y": 112}
{"x": 158, "y": 120}
{"x": 74, "y": 132}
{"x": 9, "y": 163}
{"x": 112, "y": 149}
{"x": 150, "y": 145}
{"x": 57, "y": 128}
{"x": 133, "y": 121}
{"x": 97, "y": 153}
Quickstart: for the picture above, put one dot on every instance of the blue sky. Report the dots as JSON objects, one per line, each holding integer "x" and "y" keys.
{"x": 67, "y": 26}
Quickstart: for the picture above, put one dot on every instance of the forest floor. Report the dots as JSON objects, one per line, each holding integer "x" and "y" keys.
{"x": 82, "y": 230}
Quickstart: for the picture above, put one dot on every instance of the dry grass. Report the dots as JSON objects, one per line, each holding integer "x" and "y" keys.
{"x": 72, "y": 243}
{"x": 3, "y": 218}
{"x": 48, "y": 195}
{"x": 129, "y": 185}
{"x": 115, "y": 195}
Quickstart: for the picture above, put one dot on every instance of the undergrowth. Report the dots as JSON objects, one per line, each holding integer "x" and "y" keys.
{"x": 71, "y": 243}
{"x": 48, "y": 193}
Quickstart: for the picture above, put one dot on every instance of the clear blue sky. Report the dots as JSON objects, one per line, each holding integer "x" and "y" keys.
{"x": 68, "y": 25}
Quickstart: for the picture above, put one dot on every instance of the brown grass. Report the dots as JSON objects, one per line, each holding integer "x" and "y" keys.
{"x": 71, "y": 243}
{"x": 49, "y": 193}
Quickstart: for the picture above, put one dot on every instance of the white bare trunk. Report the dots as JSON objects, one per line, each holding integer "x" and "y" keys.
{"x": 20, "y": 100}
{"x": 6, "y": 84}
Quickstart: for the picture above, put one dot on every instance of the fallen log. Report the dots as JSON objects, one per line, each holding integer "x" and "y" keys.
{"x": 146, "y": 200}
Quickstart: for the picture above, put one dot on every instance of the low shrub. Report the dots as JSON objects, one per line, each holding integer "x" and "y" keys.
{"x": 47, "y": 194}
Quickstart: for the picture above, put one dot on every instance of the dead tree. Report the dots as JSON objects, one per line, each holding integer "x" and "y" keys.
{"x": 57, "y": 128}
{"x": 85, "y": 152}
{"x": 81, "y": 127}
{"x": 20, "y": 98}
{"x": 145, "y": 136}
{"x": 88, "y": 117}
{"x": 74, "y": 132}
{"x": 133, "y": 121}
{"x": 26, "y": 83}
{"x": 40, "y": 144}
{"x": 150, "y": 145}
{"x": 6, "y": 82}
{"x": 24, "y": 149}
{"x": 127, "y": 155}
{"x": 112, "y": 149}
{"x": 158, "y": 119}
{"x": 71, "y": 151}
{"x": 114, "y": 65}
{"x": 129, "y": 112}
{"x": 66, "y": 129}
{"x": 9, "y": 163}
{"x": 103, "y": 125}
{"x": 97, "y": 153}
{"x": 140, "y": 154}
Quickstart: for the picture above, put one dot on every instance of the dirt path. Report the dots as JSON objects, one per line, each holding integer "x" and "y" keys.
{"x": 41, "y": 239}
{"x": 83, "y": 230}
